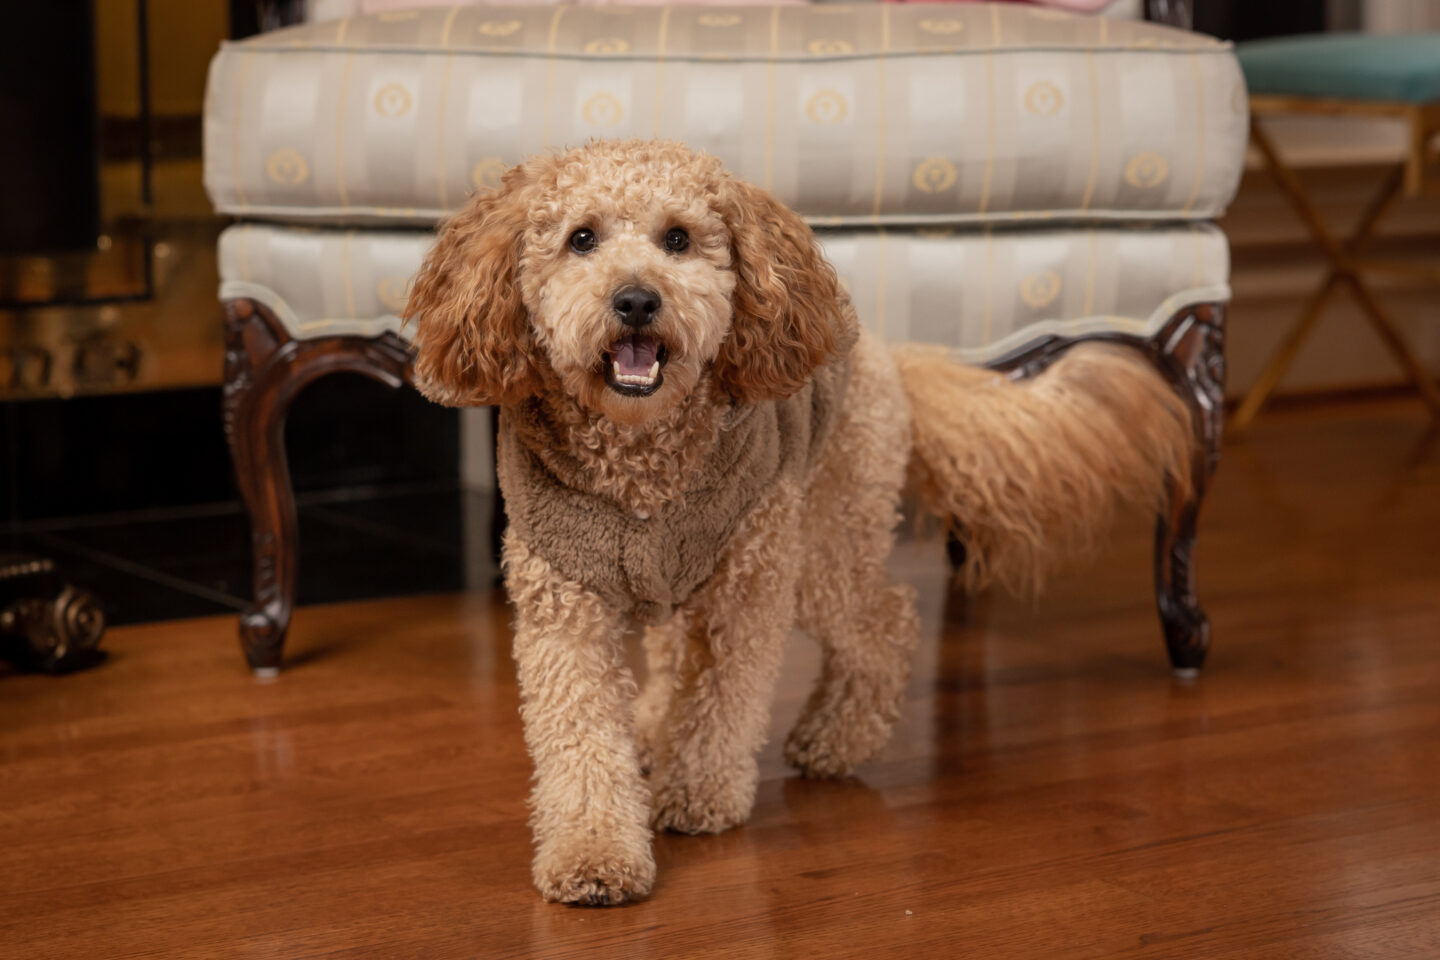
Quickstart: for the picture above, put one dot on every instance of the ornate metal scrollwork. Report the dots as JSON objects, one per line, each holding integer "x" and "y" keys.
{"x": 47, "y": 624}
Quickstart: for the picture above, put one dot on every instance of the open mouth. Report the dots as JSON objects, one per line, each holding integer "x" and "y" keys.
{"x": 633, "y": 365}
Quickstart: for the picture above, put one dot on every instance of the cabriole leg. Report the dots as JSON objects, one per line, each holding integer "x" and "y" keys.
{"x": 1192, "y": 353}
{"x": 264, "y": 370}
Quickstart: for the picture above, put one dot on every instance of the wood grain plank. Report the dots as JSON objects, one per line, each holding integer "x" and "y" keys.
{"x": 1050, "y": 792}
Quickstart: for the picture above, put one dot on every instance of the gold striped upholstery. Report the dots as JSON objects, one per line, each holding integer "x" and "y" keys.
{"x": 979, "y": 293}
{"x": 852, "y": 114}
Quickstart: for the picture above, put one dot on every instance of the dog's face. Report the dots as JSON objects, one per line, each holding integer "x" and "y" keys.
{"x": 623, "y": 272}
{"x": 627, "y": 278}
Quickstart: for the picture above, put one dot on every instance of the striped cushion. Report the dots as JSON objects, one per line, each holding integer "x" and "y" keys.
{"x": 852, "y": 114}
{"x": 978, "y": 293}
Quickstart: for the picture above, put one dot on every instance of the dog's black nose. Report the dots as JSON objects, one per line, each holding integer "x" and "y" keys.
{"x": 636, "y": 306}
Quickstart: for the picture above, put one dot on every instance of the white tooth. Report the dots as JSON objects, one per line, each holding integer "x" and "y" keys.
{"x": 616, "y": 364}
{"x": 654, "y": 369}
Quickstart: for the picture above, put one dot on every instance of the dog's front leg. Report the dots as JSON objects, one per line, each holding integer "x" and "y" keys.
{"x": 590, "y": 807}
{"x": 719, "y": 707}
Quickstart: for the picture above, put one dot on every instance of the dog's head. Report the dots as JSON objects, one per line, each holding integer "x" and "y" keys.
{"x": 629, "y": 270}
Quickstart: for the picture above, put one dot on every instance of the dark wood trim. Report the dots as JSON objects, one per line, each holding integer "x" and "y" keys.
{"x": 264, "y": 370}
{"x": 1190, "y": 351}
{"x": 1175, "y": 13}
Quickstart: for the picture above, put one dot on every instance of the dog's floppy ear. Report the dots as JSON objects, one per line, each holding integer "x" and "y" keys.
{"x": 473, "y": 344}
{"x": 790, "y": 314}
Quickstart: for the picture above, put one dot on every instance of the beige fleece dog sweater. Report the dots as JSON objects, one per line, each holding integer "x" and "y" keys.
{"x": 650, "y": 566}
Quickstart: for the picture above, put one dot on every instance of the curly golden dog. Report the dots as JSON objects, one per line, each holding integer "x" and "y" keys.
{"x": 697, "y": 438}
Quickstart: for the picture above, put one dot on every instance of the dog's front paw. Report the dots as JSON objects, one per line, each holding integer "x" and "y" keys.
{"x": 705, "y": 804}
{"x": 586, "y": 875}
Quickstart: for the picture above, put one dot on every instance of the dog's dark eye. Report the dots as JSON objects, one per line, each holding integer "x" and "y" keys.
{"x": 582, "y": 240}
{"x": 676, "y": 240}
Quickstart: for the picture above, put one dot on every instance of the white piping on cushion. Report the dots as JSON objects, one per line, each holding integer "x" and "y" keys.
{"x": 400, "y": 218}
{"x": 1085, "y": 326}
{"x": 309, "y": 329}
{"x": 978, "y": 356}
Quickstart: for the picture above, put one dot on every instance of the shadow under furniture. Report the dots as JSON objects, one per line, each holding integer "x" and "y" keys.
{"x": 999, "y": 181}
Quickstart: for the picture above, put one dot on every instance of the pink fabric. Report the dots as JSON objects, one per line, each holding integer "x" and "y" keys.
{"x": 379, "y": 6}
{"x": 1077, "y": 6}
{"x": 692, "y": 3}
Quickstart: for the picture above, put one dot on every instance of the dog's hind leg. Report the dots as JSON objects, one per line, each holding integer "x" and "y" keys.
{"x": 704, "y": 772}
{"x": 868, "y": 629}
{"x": 867, "y": 626}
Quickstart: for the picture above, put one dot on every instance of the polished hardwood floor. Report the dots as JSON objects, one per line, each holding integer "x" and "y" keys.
{"x": 1050, "y": 792}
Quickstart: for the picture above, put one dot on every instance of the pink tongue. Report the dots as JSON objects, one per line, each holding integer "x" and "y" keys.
{"x": 635, "y": 356}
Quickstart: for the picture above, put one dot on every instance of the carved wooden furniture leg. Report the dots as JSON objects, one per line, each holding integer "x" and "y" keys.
{"x": 1191, "y": 351}
{"x": 264, "y": 370}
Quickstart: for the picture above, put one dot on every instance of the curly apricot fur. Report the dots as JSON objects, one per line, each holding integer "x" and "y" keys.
{"x": 508, "y": 314}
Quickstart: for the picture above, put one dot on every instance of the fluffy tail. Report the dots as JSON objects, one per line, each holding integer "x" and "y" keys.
{"x": 1033, "y": 471}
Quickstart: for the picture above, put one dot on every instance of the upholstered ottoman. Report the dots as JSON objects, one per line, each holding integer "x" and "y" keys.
{"x": 1000, "y": 180}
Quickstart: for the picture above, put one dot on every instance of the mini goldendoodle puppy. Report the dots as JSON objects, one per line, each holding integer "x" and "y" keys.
{"x": 696, "y": 437}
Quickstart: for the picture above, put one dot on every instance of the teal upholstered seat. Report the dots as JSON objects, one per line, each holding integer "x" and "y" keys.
{"x": 1349, "y": 66}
